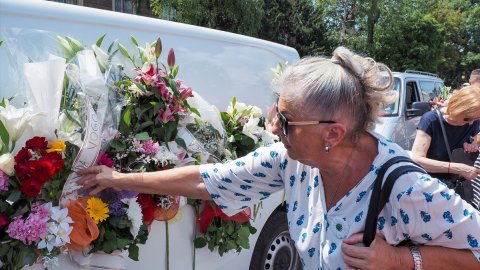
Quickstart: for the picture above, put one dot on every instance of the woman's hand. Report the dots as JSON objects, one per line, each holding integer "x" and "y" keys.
{"x": 99, "y": 178}
{"x": 380, "y": 255}
{"x": 470, "y": 147}
{"x": 466, "y": 171}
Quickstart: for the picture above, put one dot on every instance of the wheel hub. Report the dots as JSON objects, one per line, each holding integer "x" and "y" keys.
{"x": 281, "y": 254}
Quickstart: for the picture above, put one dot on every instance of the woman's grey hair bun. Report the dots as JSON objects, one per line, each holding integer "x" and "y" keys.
{"x": 346, "y": 83}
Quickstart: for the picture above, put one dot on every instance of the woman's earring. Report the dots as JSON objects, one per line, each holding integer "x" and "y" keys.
{"x": 327, "y": 148}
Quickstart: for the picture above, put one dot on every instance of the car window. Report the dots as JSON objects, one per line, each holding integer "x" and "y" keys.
{"x": 429, "y": 91}
{"x": 391, "y": 109}
{"x": 411, "y": 94}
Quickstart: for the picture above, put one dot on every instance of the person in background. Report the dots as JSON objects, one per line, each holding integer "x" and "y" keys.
{"x": 475, "y": 81}
{"x": 326, "y": 164}
{"x": 475, "y": 77}
{"x": 461, "y": 121}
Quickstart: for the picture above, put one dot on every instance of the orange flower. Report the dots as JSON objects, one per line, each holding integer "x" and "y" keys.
{"x": 85, "y": 231}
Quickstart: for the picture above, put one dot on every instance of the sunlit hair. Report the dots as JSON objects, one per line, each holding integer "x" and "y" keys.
{"x": 347, "y": 84}
{"x": 465, "y": 103}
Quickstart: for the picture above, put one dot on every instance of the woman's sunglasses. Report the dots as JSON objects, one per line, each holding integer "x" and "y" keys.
{"x": 285, "y": 123}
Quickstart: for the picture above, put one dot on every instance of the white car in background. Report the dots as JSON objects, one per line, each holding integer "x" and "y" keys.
{"x": 399, "y": 120}
{"x": 217, "y": 65}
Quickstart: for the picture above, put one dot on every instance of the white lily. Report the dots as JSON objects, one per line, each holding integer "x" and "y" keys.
{"x": 268, "y": 138}
{"x": 15, "y": 120}
{"x": 251, "y": 128}
{"x": 101, "y": 56}
{"x": 69, "y": 130}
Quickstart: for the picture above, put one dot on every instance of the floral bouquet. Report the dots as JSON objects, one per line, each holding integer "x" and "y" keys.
{"x": 146, "y": 139}
{"x": 245, "y": 131}
{"x": 31, "y": 228}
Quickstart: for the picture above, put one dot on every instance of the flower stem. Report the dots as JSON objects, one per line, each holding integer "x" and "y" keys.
{"x": 167, "y": 245}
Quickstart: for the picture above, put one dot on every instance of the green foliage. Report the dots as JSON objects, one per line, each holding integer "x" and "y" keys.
{"x": 243, "y": 17}
{"x": 226, "y": 235}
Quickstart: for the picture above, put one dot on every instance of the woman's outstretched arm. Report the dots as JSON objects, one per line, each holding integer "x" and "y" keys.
{"x": 185, "y": 181}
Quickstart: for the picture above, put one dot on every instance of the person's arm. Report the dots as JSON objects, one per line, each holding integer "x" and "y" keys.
{"x": 381, "y": 255}
{"x": 419, "y": 154}
{"x": 185, "y": 181}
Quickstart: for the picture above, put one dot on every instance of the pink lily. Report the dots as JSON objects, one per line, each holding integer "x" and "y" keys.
{"x": 185, "y": 93}
{"x": 166, "y": 115}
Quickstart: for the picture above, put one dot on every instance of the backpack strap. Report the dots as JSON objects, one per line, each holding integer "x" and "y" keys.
{"x": 380, "y": 195}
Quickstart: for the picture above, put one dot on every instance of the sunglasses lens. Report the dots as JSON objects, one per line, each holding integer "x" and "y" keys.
{"x": 283, "y": 122}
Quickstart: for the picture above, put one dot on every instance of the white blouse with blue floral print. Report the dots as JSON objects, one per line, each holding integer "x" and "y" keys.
{"x": 420, "y": 208}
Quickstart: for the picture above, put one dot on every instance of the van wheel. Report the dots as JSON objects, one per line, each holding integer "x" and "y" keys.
{"x": 274, "y": 249}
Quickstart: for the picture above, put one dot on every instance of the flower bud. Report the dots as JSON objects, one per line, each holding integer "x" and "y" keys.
{"x": 7, "y": 163}
{"x": 158, "y": 48}
{"x": 171, "y": 58}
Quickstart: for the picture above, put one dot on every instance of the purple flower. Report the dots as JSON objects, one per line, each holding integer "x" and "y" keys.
{"x": 114, "y": 200}
{"x": 3, "y": 181}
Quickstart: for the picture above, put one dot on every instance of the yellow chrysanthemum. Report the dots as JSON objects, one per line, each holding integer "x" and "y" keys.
{"x": 97, "y": 209}
{"x": 57, "y": 146}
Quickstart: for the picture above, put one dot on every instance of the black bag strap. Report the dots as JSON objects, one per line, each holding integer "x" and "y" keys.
{"x": 444, "y": 134}
{"x": 380, "y": 195}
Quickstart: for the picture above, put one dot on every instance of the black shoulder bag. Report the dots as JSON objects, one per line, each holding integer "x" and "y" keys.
{"x": 380, "y": 194}
{"x": 458, "y": 155}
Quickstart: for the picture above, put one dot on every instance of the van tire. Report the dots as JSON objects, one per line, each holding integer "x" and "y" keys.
{"x": 274, "y": 249}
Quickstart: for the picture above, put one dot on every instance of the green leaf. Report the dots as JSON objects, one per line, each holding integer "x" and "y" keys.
{"x": 175, "y": 71}
{"x": 134, "y": 40}
{"x": 127, "y": 116}
{"x": 1, "y": 43}
{"x": 122, "y": 243}
{"x": 140, "y": 86}
{"x": 199, "y": 242}
{"x": 195, "y": 111}
{"x": 231, "y": 245}
{"x": 123, "y": 50}
{"x": 14, "y": 196}
{"x": 118, "y": 145}
{"x": 133, "y": 251}
{"x": 4, "y": 136}
{"x": 244, "y": 232}
{"x": 181, "y": 142}
{"x": 234, "y": 101}
{"x": 146, "y": 124}
{"x": 100, "y": 40}
{"x": 143, "y": 136}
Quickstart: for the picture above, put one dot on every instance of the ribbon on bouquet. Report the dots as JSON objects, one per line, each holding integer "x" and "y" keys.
{"x": 91, "y": 81}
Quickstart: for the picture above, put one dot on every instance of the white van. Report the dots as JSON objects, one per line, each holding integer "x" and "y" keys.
{"x": 216, "y": 64}
{"x": 399, "y": 120}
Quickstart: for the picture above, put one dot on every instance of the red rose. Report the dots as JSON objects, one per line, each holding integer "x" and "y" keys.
{"x": 56, "y": 159}
{"x": 41, "y": 170}
{"x": 147, "y": 203}
{"x": 30, "y": 188}
{"x": 4, "y": 221}
{"x": 21, "y": 170}
{"x": 23, "y": 156}
{"x": 36, "y": 143}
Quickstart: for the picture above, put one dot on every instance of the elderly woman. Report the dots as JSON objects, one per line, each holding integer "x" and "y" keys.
{"x": 461, "y": 122}
{"x": 326, "y": 163}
